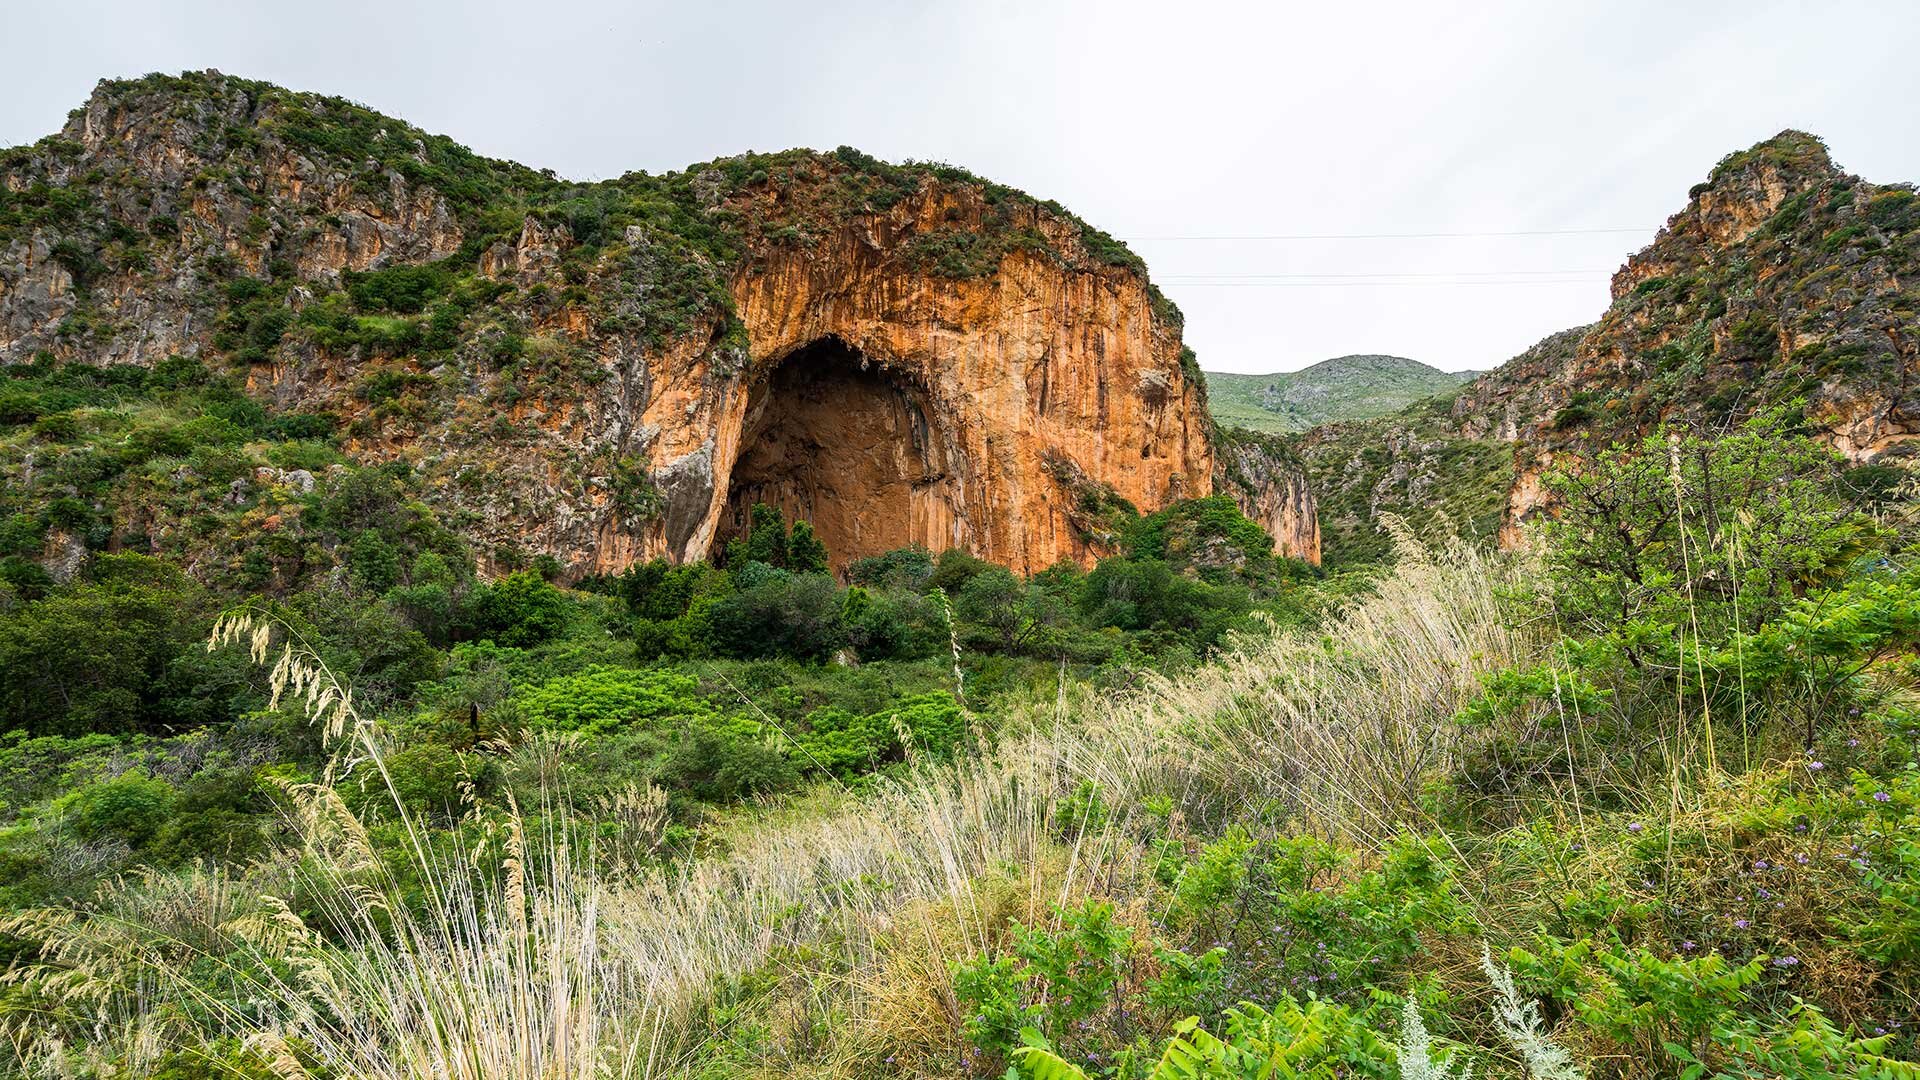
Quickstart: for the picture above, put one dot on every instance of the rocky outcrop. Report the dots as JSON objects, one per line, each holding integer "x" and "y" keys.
{"x": 1269, "y": 484}
{"x": 611, "y": 372}
{"x": 1782, "y": 280}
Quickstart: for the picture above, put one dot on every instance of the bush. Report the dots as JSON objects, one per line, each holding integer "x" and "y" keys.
{"x": 520, "y": 610}
{"x": 722, "y": 759}
{"x": 600, "y": 700}
{"x": 798, "y": 617}
{"x": 130, "y": 807}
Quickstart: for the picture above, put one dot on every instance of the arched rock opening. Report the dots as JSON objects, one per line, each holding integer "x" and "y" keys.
{"x": 852, "y": 446}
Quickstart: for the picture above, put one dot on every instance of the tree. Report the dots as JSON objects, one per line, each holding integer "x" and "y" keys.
{"x": 997, "y": 599}
{"x": 98, "y": 655}
{"x": 1683, "y": 529}
{"x": 765, "y": 542}
{"x": 520, "y": 610}
{"x": 782, "y": 615}
{"x": 806, "y": 554}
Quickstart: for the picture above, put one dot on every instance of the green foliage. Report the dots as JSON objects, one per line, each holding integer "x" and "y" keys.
{"x": 1295, "y": 1041}
{"x": 519, "y": 610}
{"x": 1210, "y": 535}
{"x": 402, "y": 290}
{"x": 806, "y": 554}
{"x": 765, "y": 541}
{"x": 1056, "y": 983}
{"x": 600, "y": 700}
{"x": 782, "y": 615}
{"x": 1647, "y": 536}
{"x": 111, "y": 654}
{"x": 129, "y": 807}
{"x": 1147, "y": 595}
{"x": 846, "y": 745}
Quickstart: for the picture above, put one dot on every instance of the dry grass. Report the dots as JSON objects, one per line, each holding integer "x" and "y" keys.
{"x": 531, "y": 962}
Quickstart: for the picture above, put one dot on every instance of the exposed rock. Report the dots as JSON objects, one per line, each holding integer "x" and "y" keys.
{"x": 1269, "y": 484}
{"x": 1783, "y": 279}
{"x": 611, "y": 372}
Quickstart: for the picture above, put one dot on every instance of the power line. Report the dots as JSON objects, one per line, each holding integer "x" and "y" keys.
{"x": 1368, "y": 284}
{"x": 1403, "y": 235}
{"x": 1381, "y": 274}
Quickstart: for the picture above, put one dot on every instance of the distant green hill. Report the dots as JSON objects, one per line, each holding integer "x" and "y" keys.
{"x": 1343, "y": 388}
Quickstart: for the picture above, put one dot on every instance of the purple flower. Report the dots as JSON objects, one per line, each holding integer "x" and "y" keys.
{"x": 1740, "y": 924}
{"x": 1635, "y": 827}
{"x": 1688, "y": 946}
{"x": 1816, "y": 766}
{"x": 1881, "y": 796}
{"x": 1787, "y": 961}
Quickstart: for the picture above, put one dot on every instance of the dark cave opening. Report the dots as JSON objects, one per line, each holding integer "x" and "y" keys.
{"x": 832, "y": 438}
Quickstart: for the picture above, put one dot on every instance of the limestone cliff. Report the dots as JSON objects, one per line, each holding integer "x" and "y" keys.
{"x": 608, "y": 372}
{"x": 1783, "y": 279}
{"x": 1269, "y": 484}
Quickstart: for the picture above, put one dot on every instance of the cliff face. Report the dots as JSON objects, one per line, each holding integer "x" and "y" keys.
{"x": 1269, "y": 484}
{"x": 1782, "y": 280}
{"x": 609, "y": 372}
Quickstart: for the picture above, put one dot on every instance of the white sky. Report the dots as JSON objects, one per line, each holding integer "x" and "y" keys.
{"x": 1150, "y": 119}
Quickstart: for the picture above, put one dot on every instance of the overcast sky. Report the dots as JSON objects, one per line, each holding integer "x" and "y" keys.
{"x": 1187, "y": 129}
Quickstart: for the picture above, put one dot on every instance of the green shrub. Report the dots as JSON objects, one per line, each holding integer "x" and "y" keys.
{"x": 130, "y": 807}
{"x": 601, "y": 699}
{"x": 520, "y": 610}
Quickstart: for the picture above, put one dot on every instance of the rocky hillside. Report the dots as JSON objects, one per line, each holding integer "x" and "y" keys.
{"x": 1783, "y": 279}
{"x": 599, "y": 372}
{"x": 1343, "y": 388}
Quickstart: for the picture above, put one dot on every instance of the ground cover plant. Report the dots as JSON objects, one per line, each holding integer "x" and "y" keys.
{"x": 1639, "y": 802}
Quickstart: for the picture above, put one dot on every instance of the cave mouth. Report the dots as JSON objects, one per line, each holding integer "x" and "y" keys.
{"x": 832, "y": 438}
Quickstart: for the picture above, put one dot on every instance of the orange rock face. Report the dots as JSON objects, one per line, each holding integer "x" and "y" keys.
{"x": 889, "y": 406}
{"x": 620, "y": 371}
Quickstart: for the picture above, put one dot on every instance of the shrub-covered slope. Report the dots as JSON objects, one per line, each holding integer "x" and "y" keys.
{"x": 562, "y": 363}
{"x": 1783, "y": 279}
{"x": 1343, "y": 388}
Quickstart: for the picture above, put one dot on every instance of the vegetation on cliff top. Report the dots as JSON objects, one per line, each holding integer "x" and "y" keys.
{"x": 1782, "y": 281}
{"x": 682, "y": 233}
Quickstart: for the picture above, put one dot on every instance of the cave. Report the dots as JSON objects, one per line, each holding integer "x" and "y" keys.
{"x": 849, "y": 444}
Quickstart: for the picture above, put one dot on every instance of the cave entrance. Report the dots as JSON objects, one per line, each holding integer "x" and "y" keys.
{"x": 835, "y": 439}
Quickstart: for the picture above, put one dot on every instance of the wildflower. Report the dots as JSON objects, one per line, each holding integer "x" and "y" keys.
{"x": 1759, "y": 864}
{"x": 1688, "y": 946}
{"x": 1787, "y": 962}
{"x": 1801, "y": 858}
{"x": 1740, "y": 924}
{"x": 1635, "y": 827}
{"x": 1881, "y": 796}
{"x": 1816, "y": 766}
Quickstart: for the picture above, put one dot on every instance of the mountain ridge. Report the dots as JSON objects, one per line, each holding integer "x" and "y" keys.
{"x": 577, "y": 371}
{"x": 1782, "y": 280}
{"x": 1351, "y": 387}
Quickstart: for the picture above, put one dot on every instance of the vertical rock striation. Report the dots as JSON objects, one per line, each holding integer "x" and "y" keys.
{"x": 617, "y": 371}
